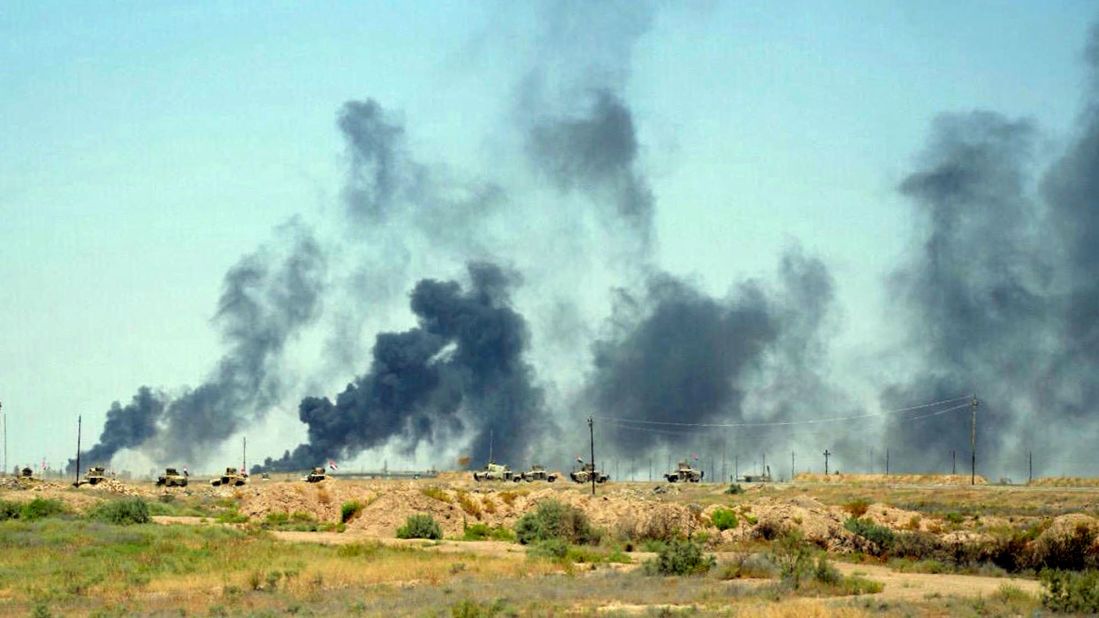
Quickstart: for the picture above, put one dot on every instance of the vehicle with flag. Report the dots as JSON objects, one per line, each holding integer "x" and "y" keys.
{"x": 684, "y": 473}
{"x": 586, "y": 472}
{"x": 317, "y": 475}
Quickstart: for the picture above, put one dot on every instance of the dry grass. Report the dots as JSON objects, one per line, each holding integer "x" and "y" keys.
{"x": 436, "y": 493}
{"x": 469, "y": 504}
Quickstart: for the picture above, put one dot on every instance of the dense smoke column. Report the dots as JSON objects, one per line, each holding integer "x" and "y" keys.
{"x": 375, "y": 145}
{"x": 459, "y": 372}
{"x": 266, "y": 299}
{"x": 974, "y": 296}
{"x": 681, "y": 358}
{"x": 1071, "y": 187}
{"x": 126, "y": 427}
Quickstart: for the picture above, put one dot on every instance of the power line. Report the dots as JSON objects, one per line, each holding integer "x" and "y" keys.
{"x": 637, "y": 425}
{"x": 810, "y": 421}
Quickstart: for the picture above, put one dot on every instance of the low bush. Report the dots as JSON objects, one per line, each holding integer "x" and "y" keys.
{"x": 680, "y": 558}
{"x": 469, "y": 505}
{"x": 881, "y": 537}
{"x": 9, "y": 510}
{"x": 794, "y": 558}
{"x": 556, "y": 520}
{"x": 37, "y": 508}
{"x": 122, "y": 512}
{"x": 857, "y": 508}
{"x": 350, "y": 510}
{"x": 420, "y": 526}
{"x": 917, "y": 546}
{"x": 753, "y": 566}
{"x": 554, "y": 549}
{"x": 1070, "y": 592}
{"x": 825, "y": 573}
{"x": 724, "y": 519}
{"x": 481, "y": 532}
{"x": 436, "y": 493}
{"x": 734, "y": 489}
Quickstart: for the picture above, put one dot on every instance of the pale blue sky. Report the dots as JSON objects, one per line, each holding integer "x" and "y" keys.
{"x": 147, "y": 145}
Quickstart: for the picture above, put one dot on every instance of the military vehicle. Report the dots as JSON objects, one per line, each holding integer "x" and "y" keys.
{"x": 538, "y": 473}
{"x": 231, "y": 477}
{"x": 95, "y": 475}
{"x": 26, "y": 473}
{"x": 171, "y": 478}
{"x": 684, "y": 473}
{"x": 585, "y": 473}
{"x": 316, "y": 476}
{"x": 757, "y": 478}
{"x": 496, "y": 472}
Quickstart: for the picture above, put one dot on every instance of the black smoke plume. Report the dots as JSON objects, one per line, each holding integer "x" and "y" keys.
{"x": 126, "y": 427}
{"x": 267, "y": 298}
{"x": 459, "y": 372}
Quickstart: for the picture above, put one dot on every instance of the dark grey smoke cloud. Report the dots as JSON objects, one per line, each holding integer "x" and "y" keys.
{"x": 126, "y": 427}
{"x": 976, "y": 297}
{"x": 267, "y": 298}
{"x": 375, "y": 145}
{"x": 460, "y": 372}
{"x": 597, "y": 153}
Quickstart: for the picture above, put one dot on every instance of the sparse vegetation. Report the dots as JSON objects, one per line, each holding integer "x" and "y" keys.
{"x": 38, "y": 508}
{"x": 436, "y": 493}
{"x": 857, "y": 508}
{"x": 556, "y": 520}
{"x": 420, "y": 526}
{"x": 350, "y": 510}
{"x": 879, "y": 536}
{"x": 1070, "y": 592}
{"x": 724, "y": 519}
{"x": 469, "y": 504}
{"x": 481, "y": 532}
{"x": 680, "y": 558}
{"x": 123, "y": 512}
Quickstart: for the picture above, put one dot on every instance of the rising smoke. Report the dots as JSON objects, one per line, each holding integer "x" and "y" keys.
{"x": 460, "y": 373}
{"x": 267, "y": 298}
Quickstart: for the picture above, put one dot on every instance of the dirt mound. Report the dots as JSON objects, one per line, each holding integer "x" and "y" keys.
{"x": 880, "y": 479}
{"x": 769, "y": 517}
{"x": 1062, "y": 529}
{"x": 119, "y": 488}
{"x": 1065, "y": 481}
{"x": 897, "y": 519}
{"x": 13, "y": 483}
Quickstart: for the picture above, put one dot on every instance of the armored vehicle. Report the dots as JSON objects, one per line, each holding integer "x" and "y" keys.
{"x": 585, "y": 473}
{"x": 95, "y": 475}
{"x": 231, "y": 477}
{"x": 684, "y": 473}
{"x": 26, "y": 473}
{"x": 316, "y": 476}
{"x": 757, "y": 478}
{"x": 496, "y": 472}
{"x": 171, "y": 478}
{"x": 538, "y": 473}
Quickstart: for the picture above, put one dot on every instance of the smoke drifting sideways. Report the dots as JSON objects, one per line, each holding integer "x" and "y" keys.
{"x": 267, "y": 298}
{"x": 678, "y": 356}
{"x": 1002, "y": 296}
{"x": 461, "y": 372}
{"x": 596, "y": 153}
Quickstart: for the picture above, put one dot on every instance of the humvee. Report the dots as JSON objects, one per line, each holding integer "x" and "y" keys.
{"x": 316, "y": 476}
{"x": 26, "y": 473}
{"x": 496, "y": 472}
{"x": 231, "y": 477}
{"x": 171, "y": 478}
{"x": 585, "y": 473}
{"x": 538, "y": 473}
{"x": 684, "y": 473}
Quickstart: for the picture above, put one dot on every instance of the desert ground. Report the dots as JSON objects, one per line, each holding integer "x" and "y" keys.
{"x": 848, "y": 545}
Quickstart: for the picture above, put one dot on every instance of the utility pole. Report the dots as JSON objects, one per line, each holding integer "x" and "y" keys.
{"x": 887, "y": 462}
{"x": 1029, "y": 467}
{"x": 826, "y": 455}
{"x": 4, "y": 421}
{"x": 724, "y": 471}
{"x": 244, "y": 455}
{"x": 736, "y": 466}
{"x": 591, "y": 435}
{"x": 973, "y": 443}
{"x": 490, "y": 460}
{"x": 953, "y": 462}
{"x": 791, "y": 466}
{"x": 650, "y": 469}
{"x": 78, "y": 421}
{"x": 764, "y": 469}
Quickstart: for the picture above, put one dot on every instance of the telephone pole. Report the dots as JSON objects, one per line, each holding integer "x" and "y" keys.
{"x": 953, "y": 462}
{"x": 973, "y": 443}
{"x": 77, "y": 480}
{"x": 887, "y": 462}
{"x": 244, "y": 456}
{"x": 826, "y": 455}
{"x": 791, "y": 466}
{"x": 4, "y": 422}
{"x": 1029, "y": 467}
{"x": 591, "y": 435}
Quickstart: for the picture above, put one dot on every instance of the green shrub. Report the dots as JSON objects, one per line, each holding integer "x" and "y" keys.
{"x": 420, "y": 526}
{"x": 40, "y": 508}
{"x": 854, "y": 584}
{"x": 555, "y": 549}
{"x": 123, "y": 512}
{"x": 481, "y": 532}
{"x": 1068, "y": 551}
{"x": 724, "y": 519}
{"x": 880, "y": 536}
{"x": 680, "y": 558}
{"x": 794, "y": 558}
{"x": 917, "y": 545}
{"x": 9, "y": 510}
{"x": 1069, "y": 592}
{"x": 350, "y": 510}
{"x": 734, "y": 489}
{"x": 954, "y": 517}
{"x": 825, "y": 573}
{"x": 555, "y": 520}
